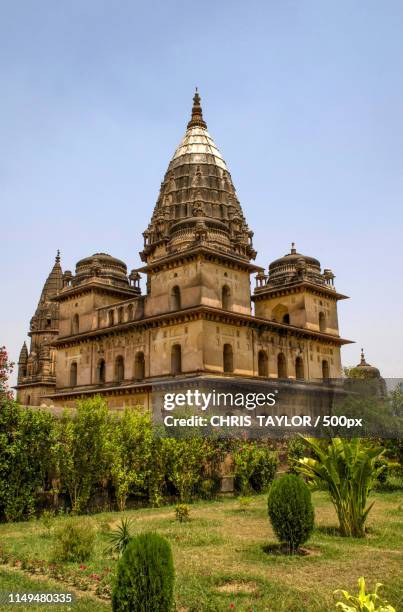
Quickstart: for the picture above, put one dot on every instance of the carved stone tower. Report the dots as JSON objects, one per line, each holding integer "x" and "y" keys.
{"x": 36, "y": 369}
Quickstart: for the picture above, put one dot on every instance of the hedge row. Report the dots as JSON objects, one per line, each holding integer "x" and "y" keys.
{"x": 93, "y": 451}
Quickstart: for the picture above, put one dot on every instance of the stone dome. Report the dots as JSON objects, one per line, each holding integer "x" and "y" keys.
{"x": 365, "y": 370}
{"x": 294, "y": 267}
{"x": 197, "y": 204}
{"x": 103, "y": 266}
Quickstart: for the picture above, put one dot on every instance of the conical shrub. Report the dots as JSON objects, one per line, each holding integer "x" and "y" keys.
{"x": 290, "y": 510}
{"x": 145, "y": 576}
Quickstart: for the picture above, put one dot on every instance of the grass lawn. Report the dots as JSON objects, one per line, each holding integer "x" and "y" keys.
{"x": 12, "y": 580}
{"x": 220, "y": 562}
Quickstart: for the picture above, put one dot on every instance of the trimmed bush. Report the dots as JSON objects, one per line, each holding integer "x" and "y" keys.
{"x": 290, "y": 510}
{"x": 75, "y": 540}
{"x": 145, "y": 576}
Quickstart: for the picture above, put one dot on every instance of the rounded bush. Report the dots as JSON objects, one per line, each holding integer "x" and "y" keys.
{"x": 290, "y": 510}
{"x": 145, "y": 576}
{"x": 75, "y": 540}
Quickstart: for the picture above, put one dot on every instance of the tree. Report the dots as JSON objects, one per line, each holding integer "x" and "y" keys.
{"x": 6, "y": 367}
{"x": 84, "y": 450}
{"x": 131, "y": 444}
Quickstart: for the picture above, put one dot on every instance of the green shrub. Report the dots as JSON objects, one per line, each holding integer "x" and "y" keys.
{"x": 255, "y": 468}
{"x": 48, "y": 521}
{"x": 296, "y": 450}
{"x": 366, "y": 602}
{"x": 244, "y": 503}
{"x": 290, "y": 510}
{"x": 74, "y": 541}
{"x": 182, "y": 513}
{"x": 145, "y": 576}
{"x": 348, "y": 470}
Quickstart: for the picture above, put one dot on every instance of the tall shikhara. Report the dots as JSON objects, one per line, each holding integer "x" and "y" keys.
{"x": 197, "y": 204}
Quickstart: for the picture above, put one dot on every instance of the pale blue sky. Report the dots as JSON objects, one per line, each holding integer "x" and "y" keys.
{"x": 304, "y": 99}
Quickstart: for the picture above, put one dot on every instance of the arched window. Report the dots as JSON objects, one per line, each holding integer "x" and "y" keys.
{"x": 322, "y": 322}
{"x": 299, "y": 368}
{"x": 130, "y": 312}
{"x": 111, "y": 317}
{"x": 263, "y": 363}
{"x": 119, "y": 369}
{"x": 280, "y": 314}
{"x": 120, "y": 314}
{"x": 73, "y": 374}
{"x": 139, "y": 366}
{"x": 325, "y": 369}
{"x": 176, "y": 298}
{"x": 228, "y": 358}
{"x": 75, "y": 324}
{"x": 281, "y": 366}
{"x": 101, "y": 371}
{"x": 176, "y": 359}
{"x": 226, "y": 297}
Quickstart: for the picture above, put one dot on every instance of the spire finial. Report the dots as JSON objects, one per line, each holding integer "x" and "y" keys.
{"x": 197, "y": 113}
{"x": 293, "y": 249}
{"x": 363, "y": 362}
{"x": 57, "y": 259}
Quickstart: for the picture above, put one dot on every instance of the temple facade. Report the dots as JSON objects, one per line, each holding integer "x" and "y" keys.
{"x": 95, "y": 332}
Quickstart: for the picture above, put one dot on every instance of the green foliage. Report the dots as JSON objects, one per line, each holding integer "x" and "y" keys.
{"x": 120, "y": 537}
{"x": 296, "y": 450}
{"x": 131, "y": 444}
{"x": 290, "y": 510}
{"x": 74, "y": 540}
{"x": 27, "y": 456}
{"x": 366, "y": 602}
{"x": 182, "y": 513}
{"x": 48, "y": 520}
{"x": 244, "y": 503}
{"x": 84, "y": 450}
{"x": 347, "y": 470}
{"x": 255, "y": 467}
{"x": 145, "y": 576}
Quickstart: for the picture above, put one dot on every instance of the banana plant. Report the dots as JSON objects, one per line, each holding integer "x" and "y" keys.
{"x": 347, "y": 469}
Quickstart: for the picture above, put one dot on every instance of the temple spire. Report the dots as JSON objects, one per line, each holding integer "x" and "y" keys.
{"x": 363, "y": 362}
{"x": 197, "y": 113}
{"x": 293, "y": 249}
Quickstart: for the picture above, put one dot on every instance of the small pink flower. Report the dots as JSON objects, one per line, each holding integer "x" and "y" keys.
{"x": 83, "y": 567}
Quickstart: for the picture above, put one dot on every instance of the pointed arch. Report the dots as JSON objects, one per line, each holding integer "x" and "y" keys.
{"x": 176, "y": 359}
{"x": 119, "y": 368}
{"x": 73, "y": 374}
{"x": 101, "y": 367}
{"x": 299, "y": 368}
{"x": 139, "y": 365}
{"x": 322, "y": 322}
{"x": 281, "y": 366}
{"x": 176, "y": 297}
{"x": 325, "y": 369}
{"x": 226, "y": 297}
{"x": 228, "y": 358}
{"x": 263, "y": 363}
